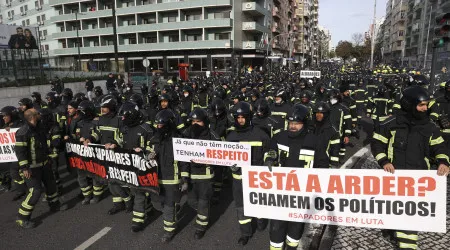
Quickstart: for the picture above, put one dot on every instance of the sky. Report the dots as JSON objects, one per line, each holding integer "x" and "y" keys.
{"x": 346, "y": 17}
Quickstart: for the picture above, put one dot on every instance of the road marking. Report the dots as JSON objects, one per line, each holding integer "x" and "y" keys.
{"x": 93, "y": 239}
{"x": 356, "y": 156}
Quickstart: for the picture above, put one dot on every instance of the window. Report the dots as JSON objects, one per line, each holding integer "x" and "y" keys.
{"x": 1, "y": 19}
{"x": 191, "y": 17}
{"x": 401, "y": 33}
{"x": 172, "y": 19}
{"x": 222, "y": 36}
{"x": 36, "y": 4}
{"x": 41, "y": 2}
{"x": 28, "y": 22}
{"x": 38, "y": 19}
{"x": 150, "y": 20}
{"x": 399, "y": 43}
{"x": 173, "y": 38}
{"x": 46, "y": 47}
{"x": 23, "y": 23}
{"x": 129, "y": 22}
{"x": 194, "y": 37}
{"x": 44, "y": 32}
{"x": 126, "y": 4}
{"x": 132, "y": 40}
{"x": 151, "y": 39}
{"x": 40, "y": 33}
{"x": 43, "y": 18}
{"x": 224, "y": 14}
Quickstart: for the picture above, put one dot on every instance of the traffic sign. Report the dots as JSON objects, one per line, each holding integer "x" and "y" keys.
{"x": 146, "y": 63}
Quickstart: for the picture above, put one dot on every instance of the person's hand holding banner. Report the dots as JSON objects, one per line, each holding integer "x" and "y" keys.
{"x": 138, "y": 150}
{"x": 26, "y": 173}
{"x": 389, "y": 168}
{"x": 443, "y": 170}
{"x": 234, "y": 168}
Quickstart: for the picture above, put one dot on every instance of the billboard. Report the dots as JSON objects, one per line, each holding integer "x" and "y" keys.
{"x": 18, "y": 37}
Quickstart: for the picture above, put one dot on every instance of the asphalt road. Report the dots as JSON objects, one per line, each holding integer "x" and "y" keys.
{"x": 70, "y": 229}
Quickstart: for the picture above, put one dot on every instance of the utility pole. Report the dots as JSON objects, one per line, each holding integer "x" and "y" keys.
{"x": 373, "y": 33}
{"x": 116, "y": 49}
{"x": 428, "y": 37}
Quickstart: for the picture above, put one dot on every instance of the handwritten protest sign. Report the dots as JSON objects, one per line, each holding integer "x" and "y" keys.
{"x": 212, "y": 152}
{"x": 309, "y": 74}
{"x": 407, "y": 200}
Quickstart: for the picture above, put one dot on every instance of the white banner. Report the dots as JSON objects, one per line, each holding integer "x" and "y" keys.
{"x": 407, "y": 200}
{"x": 7, "y": 145}
{"x": 309, "y": 74}
{"x": 212, "y": 152}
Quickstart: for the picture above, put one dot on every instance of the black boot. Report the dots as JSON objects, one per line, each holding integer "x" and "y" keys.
{"x": 95, "y": 200}
{"x": 26, "y": 224}
{"x": 137, "y": 227}
{"x": 199, "y": 234}
{"x": 117, "y": 207}
{"x": 167, "y": 237}
{"x": 57, "y": 206}
{"x": 86, "y": 200}
{"x": 243, "y": 240}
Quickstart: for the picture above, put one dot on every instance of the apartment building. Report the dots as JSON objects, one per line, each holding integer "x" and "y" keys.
{"x": 395, "y": 30}
{"x": 307, "y": 39}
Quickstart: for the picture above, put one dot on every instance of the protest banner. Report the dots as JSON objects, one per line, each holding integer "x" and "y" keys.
{"x": 119, "y": 165}
{"x": 7, "y": 145}
{"x": 309, "y": 74}
{"x": 212, "y": 152}
{"x": 412, "y": 200}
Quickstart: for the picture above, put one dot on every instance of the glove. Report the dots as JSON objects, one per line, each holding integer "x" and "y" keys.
{"x": 269, "y": 164}
{"x": 444, "y": 122}
{"x": 234, "y": 168}
{"x": 184, "y": 185}
{"x": 151, "y": 155}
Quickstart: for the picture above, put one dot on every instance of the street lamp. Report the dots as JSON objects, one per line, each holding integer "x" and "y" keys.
{"x": 78, "y": 41}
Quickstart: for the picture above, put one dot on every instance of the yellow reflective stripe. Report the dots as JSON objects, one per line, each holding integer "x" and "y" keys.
{"x": 337, "y": 141}
{"x": 397, "y": 106}
{"x": 380, "y": 156}
{"x": 24, "y": 162}
{"x": 436, "y": 141}
{"x": 184, "y": 174}
{"x": 180, "y": 126}
{"x": 202, "y": 177}
{"x": 138, "y": 220}
{"x": 390, "y": 147}
{"x": 245, "y": 221}
{"x": 279, "y": 113}
{"x": 117, "y": 199}
{"x": 169, "y": 182}
{"x": 407, "y": 245}
{"x": 252, "y": 143}
{"x": 237, "y": 176}
{"x": 23, "y": 212}
{"x": 21, "y": 144}
{"x": 347, "y": 116}
{"x": 428, "y": 162}
{"x": 435, "y": 115}
{"x": 202, "y": 217}
{"x": 25, "y": 202}
{"x": 445, "y": 131}
{"x": 380, "y": 138}
{"x": 168, "y": 223}
{"x": 138, "y": 214}
{"x": 334, "y": 158}
{"x": 33, "y": 150}
{"x": 56, "y": 137}
{"x": 201, "y": 223}
{"x": 169, "y": 229}
{"x": 142, "y": 142}
{"x": 442, "y": 156}
{"x": 107, "y": 128}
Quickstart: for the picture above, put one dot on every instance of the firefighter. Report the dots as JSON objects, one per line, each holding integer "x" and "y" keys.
{"x": 279, "y": 110}
{"x": 54, "y": 133}
{"x": 91, "y": 192}
{"x": 107, "y": 132}
{"x": 12, "y": 120}
{"x": 262, "y": 119}
{"x": 360, "y": 96}
{"x": 440, "y": 112}
{"x": 136, "y": 136}
{"x": 197, "y": 178}
{"x": 168, "y": 170}
{"x": 327, "y": 153}
{"x": 246, "y": 133}
{"x": 71, "y": 121}
{"x": 350, "y": 103}
{"x": 38, "y": 103}
{"x": 379, "y": 108}
{"x": 409, "y": 140}
{"x": 59, "y": 111}
{"x": 32, "y": 154}
{"x": 340, "y": 119}
{"x": 294, "y": 147}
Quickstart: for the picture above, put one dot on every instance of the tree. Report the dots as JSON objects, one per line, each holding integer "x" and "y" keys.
{"x": 358, "y": 39}
{"x": 332, "y": 54}
{"x": 344, "y": 50}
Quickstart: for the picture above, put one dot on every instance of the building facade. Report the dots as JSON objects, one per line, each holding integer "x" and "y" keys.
{"x": 395, "y": 30}
{"x": 307, "y": 39}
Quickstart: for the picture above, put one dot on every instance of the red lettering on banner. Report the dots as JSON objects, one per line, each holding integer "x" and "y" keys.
{"x": 388, "y": 185}
{"x": 371, "y": 185}
{"x": 148, "y": 180}
{"x": 266, "y": 183}
{"x": 313, "y": 184}
{"x": 335, "y": 185}
{"x": 252, "y": 179}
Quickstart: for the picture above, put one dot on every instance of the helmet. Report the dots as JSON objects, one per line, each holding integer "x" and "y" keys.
{"x": 137, "y": 99}
{"x": 218, "y": 107}
{"x": 10, "y": 111}
{"x": 79, "y": 97}
{"x": 53, "y": 99}
{"x": 334, "y": 94}
{"x": 262, "y": 108}
{"x": 220, "y": 93}
{"x": 321, "y": 107}
{"x": 131, "y": 116}
{"x": 67, "y": 93}
{"x": 281, "y": 93}
{"x": 412, "y": 96}
{"x": 166, "y": 118}
{"x": 144, "y": 89}
{"x": 36, "y": 96}
{"x": 306, "y": 94}
{"x": 187, "y": 88}
{"x": 237, "y": 95}
{"x": 87, "y": 110}
{"x": 110, "y": 102}
{"x": 199, "y": 114}
{"x": 47, "y": 117}
{"x": 242, "y": 109}
{"x": 98, "y": 91}
{"x": 26, "y": 102}
{"x": 299, "y": 113}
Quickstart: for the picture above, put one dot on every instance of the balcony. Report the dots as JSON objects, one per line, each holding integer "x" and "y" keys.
{"x": 83, "y": 15}
{"x": 208, "y": 23}
{"x": 208, "y": 44}
{"x": 254, "y": 9}
{"x": 254, "y": 27}
{"x": 247, "y": 45}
